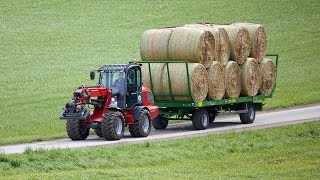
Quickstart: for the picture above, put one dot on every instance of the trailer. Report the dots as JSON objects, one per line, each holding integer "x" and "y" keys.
{"x": 203, "y": 112}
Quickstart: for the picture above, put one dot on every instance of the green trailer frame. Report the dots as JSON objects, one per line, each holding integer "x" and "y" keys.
{"x": 178, "y": 110}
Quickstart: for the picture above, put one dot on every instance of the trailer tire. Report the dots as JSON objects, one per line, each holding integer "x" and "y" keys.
{"x": 142, "y": 126}
{"x": 212, "y": 117}
{"x": 200, "y": 119}
{"x": 112, "y": 126}
{"x": 160, "y": 122}
{"x": 249, "y": 117}
{"x": 76, "y": 130}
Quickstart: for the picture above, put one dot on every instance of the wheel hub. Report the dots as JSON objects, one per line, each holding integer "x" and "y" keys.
{"x": 118, "y": 126}
{"x": 145, "y": 124}
{"x": 204, "y": 120}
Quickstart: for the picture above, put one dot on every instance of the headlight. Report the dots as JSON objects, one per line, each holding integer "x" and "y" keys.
{"x": 113, "y": 102}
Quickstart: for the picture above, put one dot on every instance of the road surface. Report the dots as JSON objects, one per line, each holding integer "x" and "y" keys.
{"x": 182, "y": 130}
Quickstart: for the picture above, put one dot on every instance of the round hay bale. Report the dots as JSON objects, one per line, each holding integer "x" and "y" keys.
{"x": 239, "y": 40}
{"x": 157, "y": 71}
{"x": 216, "y": 86}
{"x": 232, "y": 80}
{"x": 221, "y": 41}
{"x": 250, "y": 77}
{"x": 258, "y": 38}
{"x": 268, "y": 76}
{"x": 224, "y": 46}
{"x": 192, "y": 45}
{"x": 154, "y": 44}
{"x": 198, "y": 77}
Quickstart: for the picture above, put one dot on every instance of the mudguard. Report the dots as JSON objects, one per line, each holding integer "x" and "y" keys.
{"x": 136, "y": 112}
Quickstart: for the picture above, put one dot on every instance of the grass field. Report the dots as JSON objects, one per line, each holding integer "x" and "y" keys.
{"x": 47, "y": 48}
{"x": 278, "y": 153}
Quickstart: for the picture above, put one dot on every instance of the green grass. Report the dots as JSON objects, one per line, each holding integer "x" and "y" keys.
{"x": 285, "y": 152}
{"x": 48, "y": 48}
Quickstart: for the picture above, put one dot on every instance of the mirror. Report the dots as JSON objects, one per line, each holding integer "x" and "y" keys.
{"x": 92, "y": 75}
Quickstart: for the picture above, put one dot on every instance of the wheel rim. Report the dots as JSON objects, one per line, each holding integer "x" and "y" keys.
{"x": 251, "y": 113}
{"x": 118, "y": 125}
{"x": 204, "y": 120}
{"x": 145, "y": 123}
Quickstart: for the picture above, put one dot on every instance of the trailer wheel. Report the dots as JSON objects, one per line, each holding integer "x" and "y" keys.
{"x": 160, "y": 122}
{"x": 112, "y": 126}
{"x": 141, "y": 127}
{"x": 211, "y": 118}
{"x": 98, "y": 132}
{"x": 249, "y": 117}
{"x": 76, "y": 130}
{"x": 200, "y": 119}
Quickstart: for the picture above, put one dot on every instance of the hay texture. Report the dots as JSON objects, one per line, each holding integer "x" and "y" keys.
{"x": 258, "y": 37}
{"x": 232, "y": 80}
{"x": 216, "y": 81}
{"x": 156, "y": 69}
{"x": 198, "y": 78}
{"x": 250, "y": 77}
{"x": 239, "y": 41}
{"x": 192, "y": 45}
{"x": 268, "y": 76}
{"x": 221, "y": 41}
{"x": 154, "y": 44}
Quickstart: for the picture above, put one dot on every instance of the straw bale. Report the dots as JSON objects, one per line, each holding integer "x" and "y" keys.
{"x": 216, "y": 86}
{"x": 221, "y": 41}
{"x": 192, "y": 45}
{"x": 232, "y": 80}
{"x": 154, "y": 44}
{"x": 268, "y": 76}
{"x": 250, "y": 77}
{"x": 258, "y": 38}
{"x": 157, "y": 71}
{"x": 198, "y": 78}
{"x": 239, "y": 41}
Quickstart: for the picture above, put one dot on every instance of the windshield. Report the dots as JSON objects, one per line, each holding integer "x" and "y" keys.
{"x": 112, "y": 78}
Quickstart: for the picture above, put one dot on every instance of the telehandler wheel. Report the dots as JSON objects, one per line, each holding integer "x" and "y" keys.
{"x": 160, "y": 122}
{"x": 141, "y": 127}
{"x": 76, "y": 130}
{"x": 249, "y": 117}
{"x": 112, "y": 126}
{"x": 98, "y": 132}
{"x": 200, "y": 119}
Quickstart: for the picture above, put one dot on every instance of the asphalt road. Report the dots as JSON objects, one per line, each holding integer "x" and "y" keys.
{"x": 183, "y": 130}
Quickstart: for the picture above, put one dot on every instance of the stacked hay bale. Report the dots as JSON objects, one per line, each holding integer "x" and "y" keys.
{"x": 250, "y": 77}
{"x": 239, "y": 40}
{"x": 224, "y": 61}
{"x": 221, "y": 41}
{"x": 258, "y": 39}
{"x": 268, "y": 76}
{"x": 216, "y": 81}
{"x": 156, "y": 70}
{"x": 178, "y": 44}
{"x": 232, "y": 80}
{"x": 154, "y": 44}
{"x": 198, "y": 78}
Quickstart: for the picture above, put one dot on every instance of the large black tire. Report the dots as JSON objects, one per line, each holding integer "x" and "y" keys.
{"x": 142, "y": 126}
{"x": 249, "y": 117}
{"x": 112, "y": 126}
{"x": 76, "y": 130}
{"x": 200, "y": 119}
{"x": 160, "y": 122}
{"x": 212, "y": 117}
{"x": 98, "y": 132}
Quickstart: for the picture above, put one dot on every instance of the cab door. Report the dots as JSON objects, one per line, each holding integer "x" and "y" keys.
{"x": 134, "y": 87}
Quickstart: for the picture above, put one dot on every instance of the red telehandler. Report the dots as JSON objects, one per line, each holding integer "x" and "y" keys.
{"x": 118, "y": 100}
